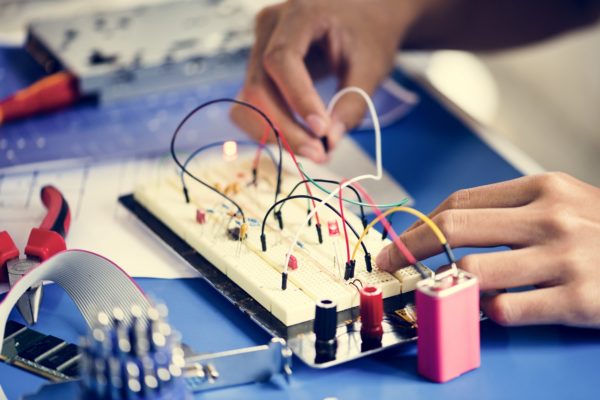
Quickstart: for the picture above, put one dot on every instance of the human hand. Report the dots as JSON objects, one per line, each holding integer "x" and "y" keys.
{"x": 552, "y": 224}
{"x": 359, "y": 39}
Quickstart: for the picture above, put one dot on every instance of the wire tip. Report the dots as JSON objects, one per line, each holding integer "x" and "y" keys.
{"x": 279, "y": 218}
{"x": 449, "y": 253}
{"x": 368, "y": 263}
{"x": 421, "y": 269}
{"x": 319, "y": 233}
{"x": 454, "y": 268}
{"x": 263, "y": 242}
{"x": 254, "y": 176}
{"x": 349, "y": 272}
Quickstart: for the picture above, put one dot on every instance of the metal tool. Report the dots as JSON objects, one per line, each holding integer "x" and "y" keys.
{"x": 237, "y": 367}
{"x": 43, "y": 243}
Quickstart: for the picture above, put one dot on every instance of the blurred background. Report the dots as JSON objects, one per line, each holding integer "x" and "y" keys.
{"x": 544, "y": 98}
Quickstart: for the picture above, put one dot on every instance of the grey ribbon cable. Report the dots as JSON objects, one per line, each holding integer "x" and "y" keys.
{"x": 94, "y": 283}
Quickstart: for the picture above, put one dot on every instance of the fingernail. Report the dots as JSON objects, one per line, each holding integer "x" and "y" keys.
{"x": 382, "y": 259}
{"x": 311, "y": 152}
{"x": 317, "y": 124}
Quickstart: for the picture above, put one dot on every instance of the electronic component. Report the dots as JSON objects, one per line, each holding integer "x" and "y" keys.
{"x": 234, "y": 233}
{"x": 333, "y": 228}
{"x": 349, "y": 270}
{"x": 255, "y": 270}
{"x": 325, "y": 327}
{"x": 371, "y": 313}
{"x": 293, "y": 263}
{"x": 200, "y": 216}
{"x": 230, "y": 150}
{"x": 448, "y": 317}
{"x": 124, "y": 344}
{"x": 369, "y": 263}
{"x": 408, "y": 314}
{"x": 140, "y": 358}
{"x": 43, "y": 355}
{"x": 251, "y": 269}
{"x": 93, "y": 283}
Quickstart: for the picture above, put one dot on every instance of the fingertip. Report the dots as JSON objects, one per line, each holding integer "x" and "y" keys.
{"x": 495, "y": 308}
{"x": 317, "y": 124}
{"x": 383, "y": 259}
{"x": 313, "y": 153}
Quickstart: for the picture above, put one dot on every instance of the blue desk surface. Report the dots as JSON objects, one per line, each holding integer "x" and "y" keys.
{"x": 432, "y": 154}
{"x": 535, "y": 362}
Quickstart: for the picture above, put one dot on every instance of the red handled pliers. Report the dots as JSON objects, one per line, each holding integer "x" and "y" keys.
{"x": 42, "y": 244}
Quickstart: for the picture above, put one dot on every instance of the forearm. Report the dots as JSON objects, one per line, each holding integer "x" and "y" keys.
{"x": 496, "y": 24}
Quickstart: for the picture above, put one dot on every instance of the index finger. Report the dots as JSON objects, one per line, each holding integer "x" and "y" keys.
{"x": 284, "y": 61}
{"x": 513, "y": 193}
{"x": 260, "y": 91}
{"x": 472, "y": 228}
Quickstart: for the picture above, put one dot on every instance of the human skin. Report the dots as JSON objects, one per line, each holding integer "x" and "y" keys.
{"x": 552, "y": 224}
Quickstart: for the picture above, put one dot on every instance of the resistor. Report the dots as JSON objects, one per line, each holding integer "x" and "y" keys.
{"x": 232, "y": 188}
{"x": 244, "y": 231}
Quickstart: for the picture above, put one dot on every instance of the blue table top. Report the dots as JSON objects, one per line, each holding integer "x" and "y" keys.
{"x": 432, "y": 154}
{"x": 549, "y": 362}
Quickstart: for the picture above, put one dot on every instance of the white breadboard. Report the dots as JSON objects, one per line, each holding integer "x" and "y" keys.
{"x": 320, "y": 266}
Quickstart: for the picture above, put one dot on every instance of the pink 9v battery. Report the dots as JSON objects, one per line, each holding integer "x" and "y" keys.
{"x": 448, "y": 325}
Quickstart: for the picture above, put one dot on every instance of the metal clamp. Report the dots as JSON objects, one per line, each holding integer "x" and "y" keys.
{"x": 236, "y": 367}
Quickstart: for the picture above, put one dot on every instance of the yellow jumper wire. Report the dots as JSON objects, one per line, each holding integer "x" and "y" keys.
{"x": 436, "y": 230}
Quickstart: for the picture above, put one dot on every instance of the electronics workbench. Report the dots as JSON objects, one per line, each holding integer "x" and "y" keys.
{"x": 212, "y": 314}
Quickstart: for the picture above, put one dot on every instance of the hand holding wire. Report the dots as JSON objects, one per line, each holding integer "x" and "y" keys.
{"x": 357, "y": 40}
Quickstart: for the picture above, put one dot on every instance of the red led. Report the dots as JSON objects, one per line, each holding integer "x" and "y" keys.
{"x": 293, "y": 263}
{"x": 333, "y": 227}
{"x": 200, "y": 216}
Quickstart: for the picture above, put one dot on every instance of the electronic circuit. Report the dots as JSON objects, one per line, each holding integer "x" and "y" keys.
{"x": 206, "y": 224}
{"x": 205, "y": 232}
{"x": 44, "y": 355}
{"x": 305, "y": 273}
